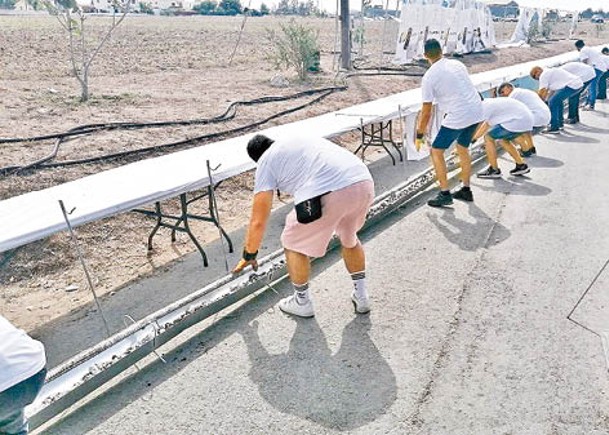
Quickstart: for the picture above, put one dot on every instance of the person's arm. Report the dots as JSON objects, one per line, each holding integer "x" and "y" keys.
{"x": 261, "y": 210}
{"x": 424, "y": 119}
{"x": 423, "y": 123}
{"x": 543, "y": 93}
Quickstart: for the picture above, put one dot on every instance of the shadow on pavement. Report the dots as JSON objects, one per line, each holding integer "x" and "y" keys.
{"x": 516, "y": 186}
{"x": 466, "y": 234}
{"x": 342, "y": 391}
{"x": 538, "y": 161}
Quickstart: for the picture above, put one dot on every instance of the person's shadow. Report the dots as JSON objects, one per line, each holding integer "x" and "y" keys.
{"x": 342, "y": 391}
{"x": 480, "y": 232}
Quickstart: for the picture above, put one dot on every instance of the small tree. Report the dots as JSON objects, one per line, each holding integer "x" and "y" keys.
{"x": 207, "y": 7}
{"x": 296, "y": 46}
{"x": 264, "y": 9}
{"x": 230, "y": 7}
{"x": 72, "y": 19}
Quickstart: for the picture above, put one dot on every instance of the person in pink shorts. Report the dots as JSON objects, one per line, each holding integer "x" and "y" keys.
{"x": 332, "y": 191}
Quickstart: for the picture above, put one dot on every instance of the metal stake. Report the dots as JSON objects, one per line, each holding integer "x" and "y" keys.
{"x": 84, "y": 266}
{"x": 215, "y": 211}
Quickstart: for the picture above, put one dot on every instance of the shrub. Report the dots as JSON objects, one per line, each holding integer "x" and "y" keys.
{"x": 296, "y": 46}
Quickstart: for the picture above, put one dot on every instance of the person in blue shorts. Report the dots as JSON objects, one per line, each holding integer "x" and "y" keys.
{"x": 447, "y": 84}
{"x": 507, "y": 122}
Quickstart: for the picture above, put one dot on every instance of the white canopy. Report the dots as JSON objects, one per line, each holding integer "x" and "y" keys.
{"x": 565, "y": 5}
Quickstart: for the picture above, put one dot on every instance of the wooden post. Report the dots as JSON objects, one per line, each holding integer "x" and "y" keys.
{"x": 345, "y": 27}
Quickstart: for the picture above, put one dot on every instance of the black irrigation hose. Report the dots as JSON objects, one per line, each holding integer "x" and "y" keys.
{"x": 153, "y": 148}
{"x": 228, "y": 114}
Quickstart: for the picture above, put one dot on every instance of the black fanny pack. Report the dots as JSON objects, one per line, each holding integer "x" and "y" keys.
{"x": 310, "y": 210}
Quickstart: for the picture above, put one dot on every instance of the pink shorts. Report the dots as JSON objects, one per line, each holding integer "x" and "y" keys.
{"x": 343, "y": 213}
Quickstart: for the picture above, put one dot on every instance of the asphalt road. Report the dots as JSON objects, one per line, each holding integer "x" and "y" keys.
{"x": 468, "y": 335}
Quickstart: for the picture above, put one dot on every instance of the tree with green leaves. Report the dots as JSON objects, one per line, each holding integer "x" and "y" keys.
{"x": 206, "y": 7}
{"x": 230, "y": 7}
{"x": 296, "y": 46}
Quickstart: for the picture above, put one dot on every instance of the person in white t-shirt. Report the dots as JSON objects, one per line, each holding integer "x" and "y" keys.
{"x": 332, "y": 191}
{"x": 22, "y": 374}
{"x": 555, "y": 86}
{"x": 587, "y": 74}
{"x": 506, "y": 121}
{"x": 539, "y": 109}
{"x": 602, "y": 82}
{"x": 593, "y": 58}
{"x": 447, "y": 84}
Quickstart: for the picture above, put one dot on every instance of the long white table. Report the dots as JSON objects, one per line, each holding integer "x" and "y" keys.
{"x": 36, "y": 215}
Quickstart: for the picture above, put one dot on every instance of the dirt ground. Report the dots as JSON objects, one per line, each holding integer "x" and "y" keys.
{"x": 161, "y": 69}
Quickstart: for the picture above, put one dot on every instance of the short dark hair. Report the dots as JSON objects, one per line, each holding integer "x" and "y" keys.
{"x": 433, "y": 48}
{"x": 579, "y": 43}
{"x": 502, "y": 86}
{"x": 605, "y": 50}
{"x": 258, "y": 145}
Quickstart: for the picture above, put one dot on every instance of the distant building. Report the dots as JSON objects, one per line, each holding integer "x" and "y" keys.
{"x": 377, "y": 11}
{"x": 509, "y": 10}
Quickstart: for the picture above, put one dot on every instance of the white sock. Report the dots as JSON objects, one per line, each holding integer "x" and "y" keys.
{"x": 359, "y": 284}
{"x": 301, "y": 293}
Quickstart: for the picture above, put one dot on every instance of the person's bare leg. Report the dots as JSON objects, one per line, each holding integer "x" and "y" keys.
{"x": 354, "y": 258}
{"x": 439, "y": 164}
{"x": 512, "y": 151}
{"x": 465, "y": 161}
{"x": 355, "y": 262}
{"x": 299, "y": 267}
{"x": 491, "y": 151}
{"x": 525, "y": 141}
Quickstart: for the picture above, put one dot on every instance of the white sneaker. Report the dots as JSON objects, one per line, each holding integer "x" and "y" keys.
{"x": 361, "y": 306}
{"x": 291, "y": 306}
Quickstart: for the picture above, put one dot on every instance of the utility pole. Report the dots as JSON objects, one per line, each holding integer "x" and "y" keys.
{"x": 345, "y": 42}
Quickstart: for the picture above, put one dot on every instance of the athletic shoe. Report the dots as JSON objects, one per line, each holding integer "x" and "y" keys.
{"x": 528, "y": 153}
{"x": 440, "y": 200}
{"x": 520, "y": 169}
{"x": 489, "y": 173}
{"x": 464, "y": 195}
{"x": 572, "y": 121}
{"x": 551, "y": 131}
{"x": 588, "y": 108}
{"x": 291, "y": 306}
{"x": 361, "y": 306}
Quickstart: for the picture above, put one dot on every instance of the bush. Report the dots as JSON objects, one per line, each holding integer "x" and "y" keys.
{"x": 296, "y": 46}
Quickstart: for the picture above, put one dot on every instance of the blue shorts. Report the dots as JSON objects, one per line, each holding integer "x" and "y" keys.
{"x": 498, "y": 132}
{"x": 446, "y": 136}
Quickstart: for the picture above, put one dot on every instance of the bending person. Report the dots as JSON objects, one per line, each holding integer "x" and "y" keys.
{"x": 332, "y": 190}
{"x": 447, "y": 83}
{"x": 593, "y": 58}
{"x": 507, "y": 121}
{"x": 555, "y": 86}
{"x": 22, "y": 374}
{"x": 539, "y": 110}
{"x": 587, "y": 74}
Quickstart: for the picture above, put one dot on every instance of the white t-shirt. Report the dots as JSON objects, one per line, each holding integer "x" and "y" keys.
{"x": 605, "y": 59}
{"x": 556, "y": 79}
{"x": 592, "y": 57}
{"x": 539, "y": 109}
{"x": 308, "y": 167}
{"x": 20, "y": 355}
{"x": 581, "y": 70}
{"x": 447, "y": 83}
{"x": 509, "y": 113}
